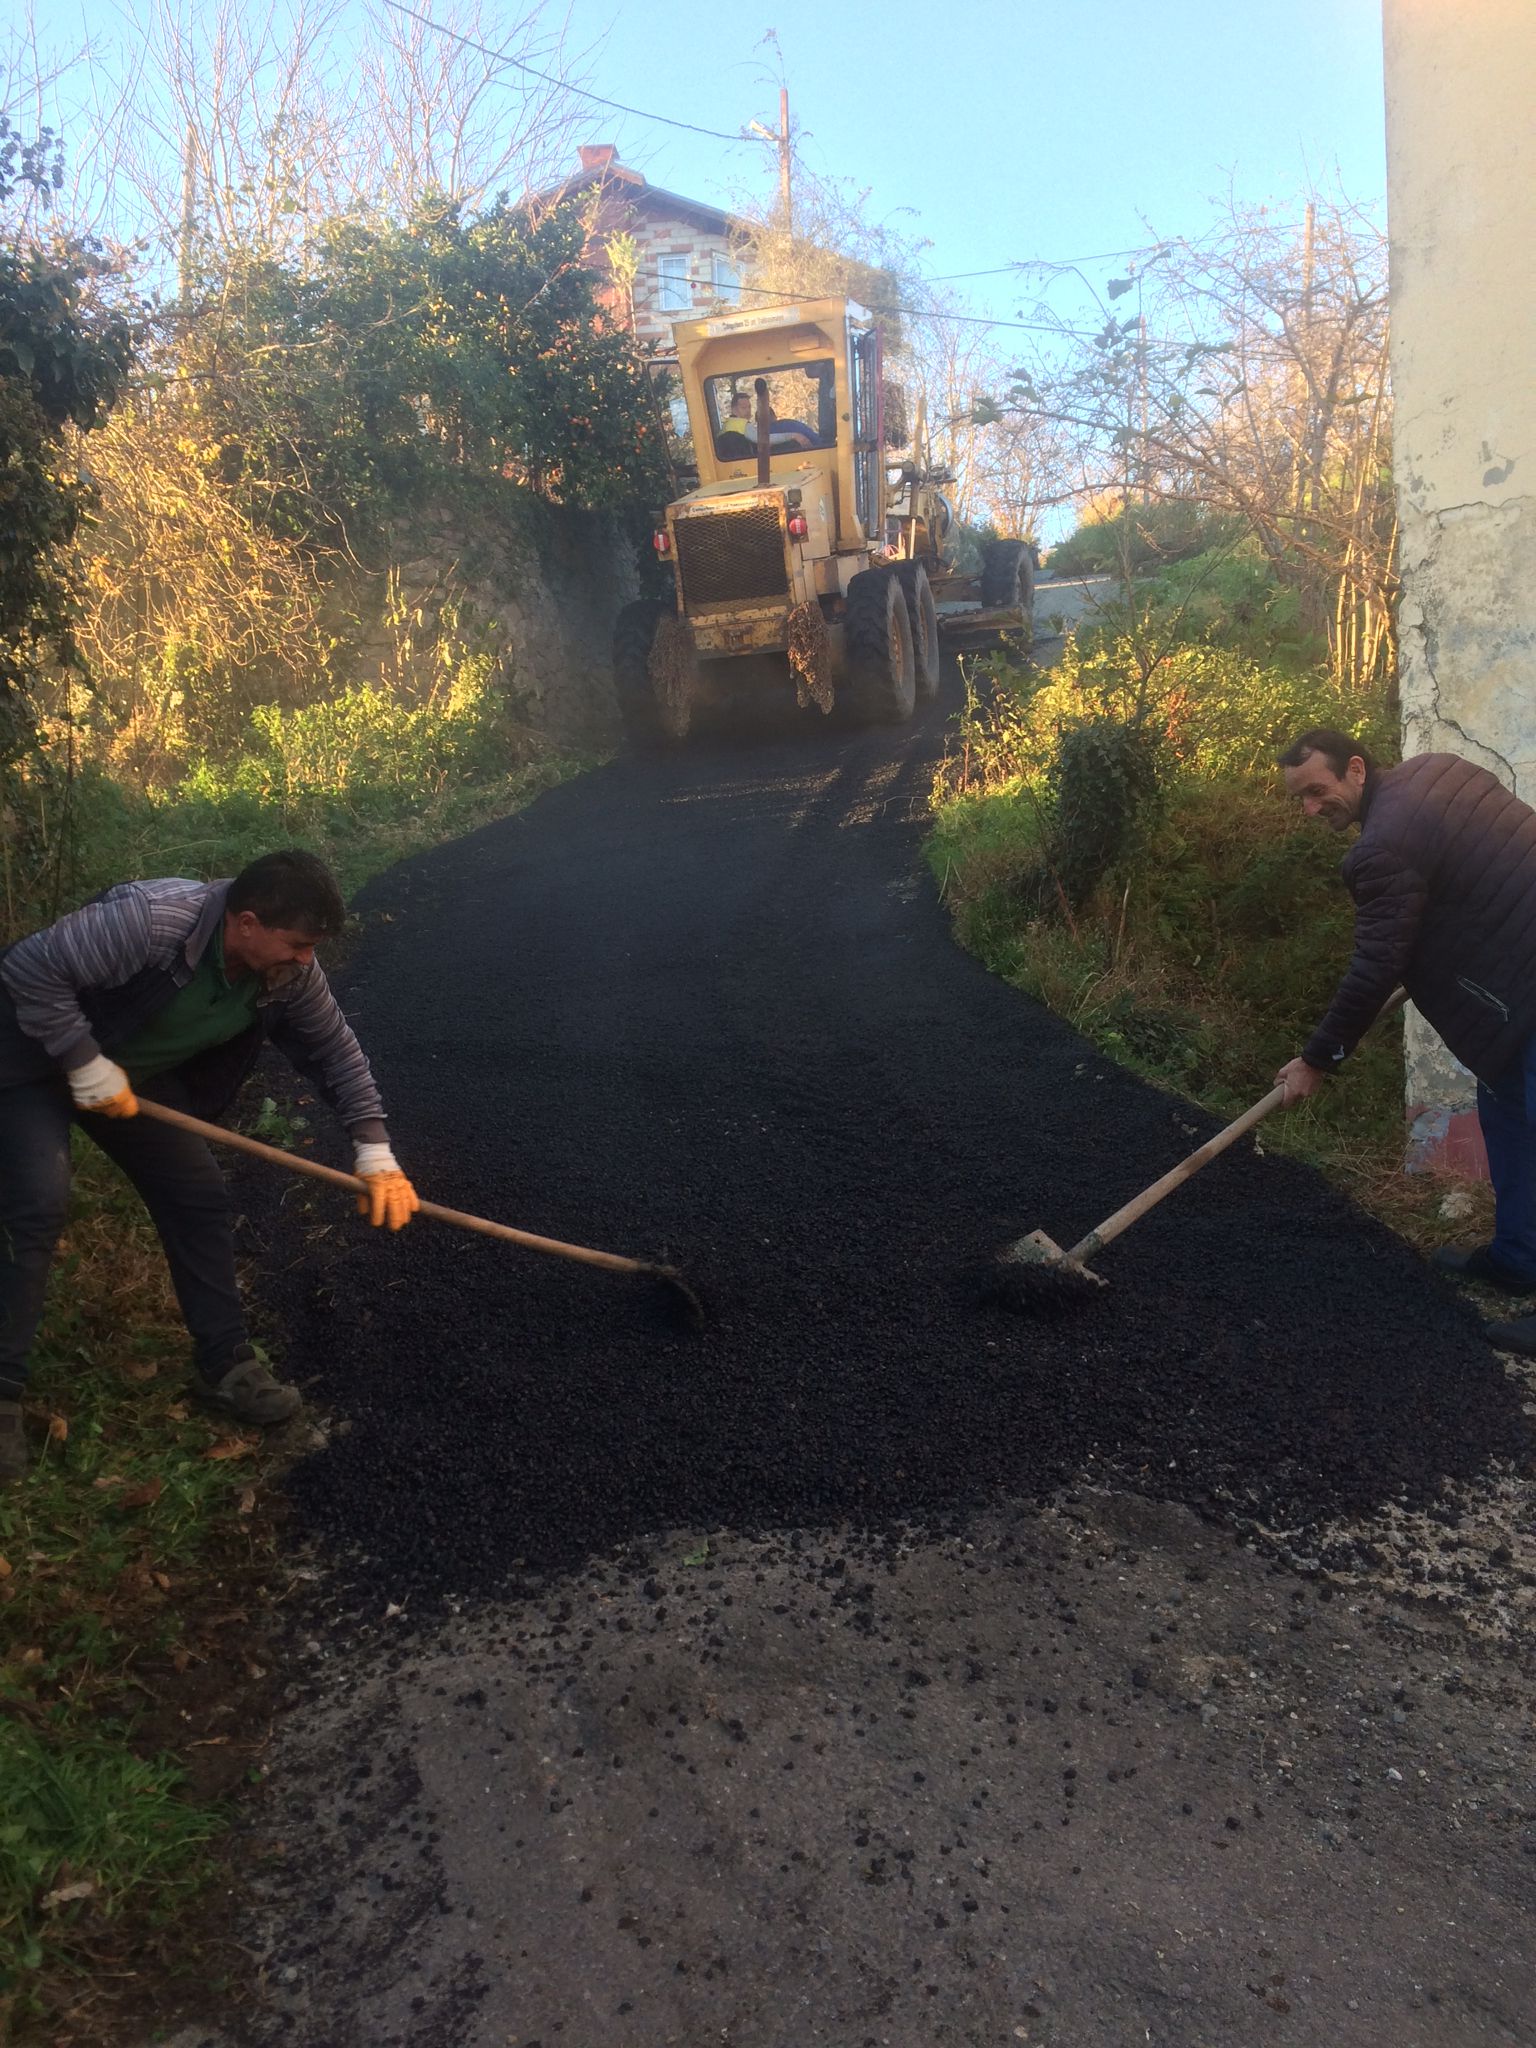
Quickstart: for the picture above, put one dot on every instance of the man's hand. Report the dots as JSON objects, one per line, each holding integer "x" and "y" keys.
{"x": 102, "y": 1087}
{"x": 390, "y": 1198}
{"x": 1299, "y": 1081}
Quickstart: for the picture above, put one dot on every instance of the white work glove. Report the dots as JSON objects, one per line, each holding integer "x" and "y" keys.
{"x": 102, "y": 1087}
{"x": 390, "y": 1198}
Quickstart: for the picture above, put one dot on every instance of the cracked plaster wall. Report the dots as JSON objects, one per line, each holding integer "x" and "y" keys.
{"x": 1461, "y": 185}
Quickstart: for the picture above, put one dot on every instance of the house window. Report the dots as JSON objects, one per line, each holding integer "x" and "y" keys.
{"x": 724, "y": 277}
{"x": 674, "y": 294}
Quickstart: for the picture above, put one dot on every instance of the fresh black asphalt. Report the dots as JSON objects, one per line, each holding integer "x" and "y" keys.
{"x": 706, "y": 1005}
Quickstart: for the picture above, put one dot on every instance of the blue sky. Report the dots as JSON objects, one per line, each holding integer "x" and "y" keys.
{"x": 994, "y": 131}
{"x": 1012, "y": 132}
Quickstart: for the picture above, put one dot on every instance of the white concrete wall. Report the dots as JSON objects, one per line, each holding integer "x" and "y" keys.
{"x": 1461, "y": 187}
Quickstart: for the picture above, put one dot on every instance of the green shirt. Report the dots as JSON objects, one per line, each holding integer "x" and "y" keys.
{"x": 210, "y": 1010}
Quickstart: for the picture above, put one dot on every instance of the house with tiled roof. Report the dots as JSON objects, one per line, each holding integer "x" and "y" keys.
{"x": 683, "y": 257}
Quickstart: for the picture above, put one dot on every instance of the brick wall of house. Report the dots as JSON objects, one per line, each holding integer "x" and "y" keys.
{"x": 657, "y": 238}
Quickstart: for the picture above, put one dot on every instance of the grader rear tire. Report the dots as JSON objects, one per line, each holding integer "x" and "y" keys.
{"x": 1007, "y": 576}
{"x": 877, "y": 638}
{"x": 923, "y": 618}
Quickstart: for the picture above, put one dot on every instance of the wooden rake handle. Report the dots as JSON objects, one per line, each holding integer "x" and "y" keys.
{"x": 1137, "y": 1207}
{"x": 217, "y": 1135}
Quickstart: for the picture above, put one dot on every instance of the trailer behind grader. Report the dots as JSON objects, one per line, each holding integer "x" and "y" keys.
{"x": 810, "y": 556}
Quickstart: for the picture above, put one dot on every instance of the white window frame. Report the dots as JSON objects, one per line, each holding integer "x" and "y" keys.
{"x": 724, "y": 277}
{"x": 674, "y": 284}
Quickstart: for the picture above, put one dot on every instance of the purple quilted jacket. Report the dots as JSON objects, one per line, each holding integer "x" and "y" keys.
{"x": 1444, "y": 881}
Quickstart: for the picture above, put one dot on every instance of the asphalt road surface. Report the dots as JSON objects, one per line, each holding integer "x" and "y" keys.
{"x": 873, "y": 1668}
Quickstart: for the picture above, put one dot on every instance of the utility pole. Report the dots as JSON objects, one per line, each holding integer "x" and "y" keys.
{"x": 781, "y": 143}
{"x": 1303, "y": 430}
{"x": 188, "y": 219}
{"x": 785, "y": 197}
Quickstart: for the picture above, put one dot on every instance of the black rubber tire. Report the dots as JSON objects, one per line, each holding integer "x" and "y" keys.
{"x": 923, "y": 618}
{"x": 877, "y": 643}
{"x": 634, "y": 631}
{"x": 1007, "y": 576}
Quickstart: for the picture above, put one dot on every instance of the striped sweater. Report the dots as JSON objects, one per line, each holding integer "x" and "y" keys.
{"x": 91, "y": 980}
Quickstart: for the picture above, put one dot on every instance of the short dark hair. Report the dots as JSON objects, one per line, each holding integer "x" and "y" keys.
{"x": 1336, "y": 748}
{"x": 291, "y": 891}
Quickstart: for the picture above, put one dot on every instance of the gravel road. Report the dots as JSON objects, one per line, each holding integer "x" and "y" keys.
{"x": 873, "y": 1668}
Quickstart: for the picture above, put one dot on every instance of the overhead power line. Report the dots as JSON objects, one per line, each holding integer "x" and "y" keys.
{"x": 763, "y": 291}
{"x": 1041, "y": 263}
{"x": 560, "y": 84}
{"x": 723, "y": 135}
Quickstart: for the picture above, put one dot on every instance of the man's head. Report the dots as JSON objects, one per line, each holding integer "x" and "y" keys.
{"x": 1325, "y": 771}
{"x": 278, "y": 909}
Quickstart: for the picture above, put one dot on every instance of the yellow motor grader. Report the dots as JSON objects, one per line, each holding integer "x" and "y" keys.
{"x": 810, "y": 555}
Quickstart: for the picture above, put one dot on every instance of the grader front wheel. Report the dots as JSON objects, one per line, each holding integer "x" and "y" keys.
{"x": 877, "y": 638}
{"x": 923, "y": 619}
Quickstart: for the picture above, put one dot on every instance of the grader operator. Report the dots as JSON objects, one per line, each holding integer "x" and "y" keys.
{"x": 801, "y": 561}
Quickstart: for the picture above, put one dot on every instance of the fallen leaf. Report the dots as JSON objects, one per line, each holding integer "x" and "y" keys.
{"x": 180, "y": 1659}
{"x": 247, "y": 1499}
{"x": 177, "y": 1412}
{"x": 32, "y": 1656}
{"x": 82, "y": 1888}
{"x": 232, "y": 1447}
{"x": 58, "y": 1429}
{"x": 161, "y": 1581}
{"x": 105, "y": 1484}
{"x": 142, "y": 1496}
{"x": 144, "y": 1371}
{"x": 210, "y": 1742}
{"x": 5, "y": 1567}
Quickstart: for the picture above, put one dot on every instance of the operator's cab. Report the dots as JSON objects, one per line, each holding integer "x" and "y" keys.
{"x": 818, "y": 362}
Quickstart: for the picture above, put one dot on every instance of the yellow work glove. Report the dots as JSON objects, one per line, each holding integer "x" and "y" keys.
{"x": 103, "y": 1088}
{"x": 390, "y": 1198}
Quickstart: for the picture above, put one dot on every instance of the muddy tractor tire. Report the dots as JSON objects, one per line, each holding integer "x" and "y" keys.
{"x": 923, "y": 618}
{"x": 1007, "y": 576}
{"x": 877, "y": 643}
{"x": 674, "y": 674}
{"x": 634, "y": 635}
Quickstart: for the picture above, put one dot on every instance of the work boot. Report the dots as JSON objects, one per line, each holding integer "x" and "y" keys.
{"x": 13, "y": 1443}
{"x": 247, "y": 1392}
{"x": 1480, "y": 1264}
{"x": 1518, "y": 1335}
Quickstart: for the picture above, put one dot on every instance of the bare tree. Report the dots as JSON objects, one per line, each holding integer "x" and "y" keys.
{"x": 446, "y": 113}
{"x": 1250, "y": 374}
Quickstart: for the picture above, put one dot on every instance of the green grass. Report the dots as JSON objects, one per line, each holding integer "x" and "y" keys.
{"x": 1203, "y": 965}
{"x": 140, "y": 1546}
{"x": 211, "y": 829}
{"x": 108, "y": 1547}
{"x": 89, "y": 1805}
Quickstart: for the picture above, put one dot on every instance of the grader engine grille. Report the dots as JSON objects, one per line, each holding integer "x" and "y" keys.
{"x": 732, "y": 557}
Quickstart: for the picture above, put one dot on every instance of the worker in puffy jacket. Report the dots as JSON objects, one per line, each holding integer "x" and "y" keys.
{"x": 1443, "y": 877}
{"x": 169, "y": 989}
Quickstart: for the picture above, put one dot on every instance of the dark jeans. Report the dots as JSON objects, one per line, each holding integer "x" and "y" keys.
{"x": 1507, "y": 1113}
{"x": 181, "y": 1186}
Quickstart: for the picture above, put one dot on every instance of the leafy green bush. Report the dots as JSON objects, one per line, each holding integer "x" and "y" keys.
{"x": 1148, "y": 535}
{"x": 364, "y": 747}
{"x": 1232, "y": 599}
{"x": 1103, "y": 778}
{"x": 1208, "y": 924}
{"x": 362, "y": 780}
